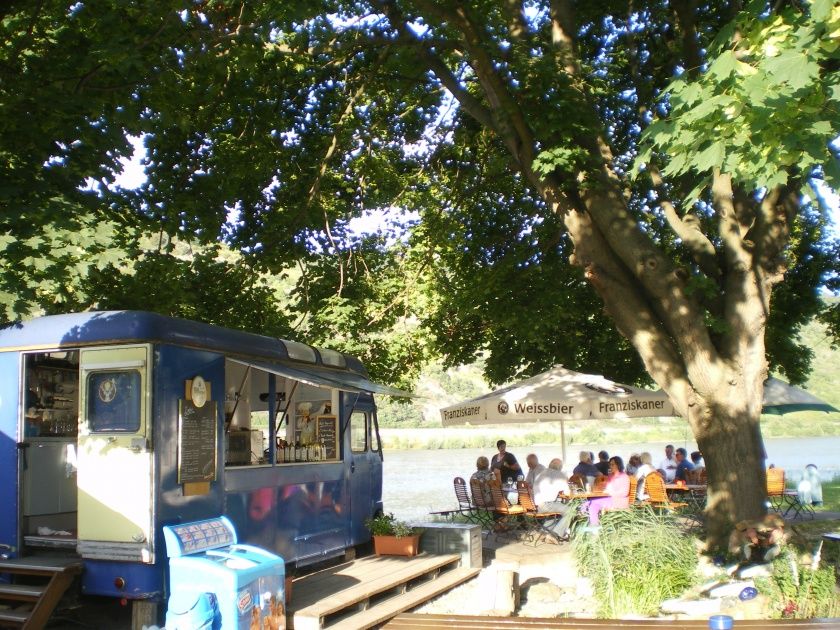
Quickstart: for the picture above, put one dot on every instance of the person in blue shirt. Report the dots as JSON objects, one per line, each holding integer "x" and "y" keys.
{"x": 683, "y": 465}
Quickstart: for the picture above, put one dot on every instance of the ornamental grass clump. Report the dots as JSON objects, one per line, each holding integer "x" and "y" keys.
{"x": 800, "y": 592}
{"x": 638, "y": 559}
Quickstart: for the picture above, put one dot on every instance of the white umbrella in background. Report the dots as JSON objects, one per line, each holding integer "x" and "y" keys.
{"x": 560, "y": 394}
{"x": 556, "y": 396}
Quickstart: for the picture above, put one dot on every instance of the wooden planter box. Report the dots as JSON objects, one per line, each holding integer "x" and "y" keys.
{"x": 393, "y": 546}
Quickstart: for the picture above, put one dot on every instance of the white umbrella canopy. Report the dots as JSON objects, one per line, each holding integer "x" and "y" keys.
{"x": 559, "y": 395}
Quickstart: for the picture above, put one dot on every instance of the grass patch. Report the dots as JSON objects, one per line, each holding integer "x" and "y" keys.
{"x": 637, "y": 559}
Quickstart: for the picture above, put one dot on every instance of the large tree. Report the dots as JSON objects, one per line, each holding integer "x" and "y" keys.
{"x": 661, "y": 148}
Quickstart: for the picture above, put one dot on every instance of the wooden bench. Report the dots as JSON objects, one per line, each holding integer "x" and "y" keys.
{"x": 414, "y": 621}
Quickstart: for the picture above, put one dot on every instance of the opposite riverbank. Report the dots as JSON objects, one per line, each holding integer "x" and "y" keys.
{"x": 587, "y": 432}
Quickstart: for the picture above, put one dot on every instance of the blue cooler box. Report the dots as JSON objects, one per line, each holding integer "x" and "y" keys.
{"x": 214, "y": 583}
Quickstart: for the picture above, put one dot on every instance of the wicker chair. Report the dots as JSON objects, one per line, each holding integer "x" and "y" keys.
{"x": 657, "y": 496}
{"x": 538, "y": 525}
{"x": 482, "y": 510}
{"x": 782, "y": 500}
{"x": 505, "y": 513}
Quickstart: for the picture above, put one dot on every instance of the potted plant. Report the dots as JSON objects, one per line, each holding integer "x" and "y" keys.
{"x": 392, "y": 537}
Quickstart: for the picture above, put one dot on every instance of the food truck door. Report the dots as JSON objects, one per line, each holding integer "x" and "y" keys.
{"x": 361, "y": 496}
{"x": 115, "y": 459}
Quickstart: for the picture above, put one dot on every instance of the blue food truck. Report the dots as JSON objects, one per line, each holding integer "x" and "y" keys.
{"x": 116, "y": 424}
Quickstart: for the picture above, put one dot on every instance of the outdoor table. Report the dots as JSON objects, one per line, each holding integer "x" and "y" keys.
{"x": 693, "y": 493}
{"x": 512, "y": 494}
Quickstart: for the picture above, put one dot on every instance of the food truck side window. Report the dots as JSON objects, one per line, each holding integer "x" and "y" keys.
{"x": 358, "y": 432}
{"x": 113, "y": 401}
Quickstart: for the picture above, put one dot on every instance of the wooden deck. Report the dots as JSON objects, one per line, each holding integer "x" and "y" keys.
{"x": 465, "y": 622}
{"x": 372, "y": 590}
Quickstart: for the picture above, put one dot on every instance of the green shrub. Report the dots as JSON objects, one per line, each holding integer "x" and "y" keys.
{"x": 799, "y": 592}
{"x": 636, "y": 560}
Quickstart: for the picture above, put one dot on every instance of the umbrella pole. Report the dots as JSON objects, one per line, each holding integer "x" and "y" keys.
{"x": 563, "y": 439}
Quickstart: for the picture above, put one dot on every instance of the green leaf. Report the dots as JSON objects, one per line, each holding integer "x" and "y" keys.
{"x": 821, "y": 9}
{"x": 724, "y": 65}
{"x": 792, "y": 67}
{"x": 711, "y": 156}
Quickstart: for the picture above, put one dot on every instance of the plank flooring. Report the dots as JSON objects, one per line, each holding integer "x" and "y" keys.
{"x": 354, "y": 590}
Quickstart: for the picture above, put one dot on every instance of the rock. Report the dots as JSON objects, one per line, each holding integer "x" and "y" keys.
{"x": 732, "y": 589}
{"x": 754, "y": 571}
{"x": 756, "y": 608}
{"x": 542, "y": 592}
{"x": 693, "y": 608}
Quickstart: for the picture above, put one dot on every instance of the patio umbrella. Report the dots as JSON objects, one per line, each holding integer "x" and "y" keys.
{"x": 781, "y": 398}
{"x": 559, "y": 395}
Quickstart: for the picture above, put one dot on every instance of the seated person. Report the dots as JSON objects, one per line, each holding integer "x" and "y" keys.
{"x": 683, "y": 466}
{"x": 644, "y": 469}
{"x": 618, "y": 489}
{"x": 586, "y": 468}
{"x": 603, "y": 464}
{"x": 633, "y": 464}
{"x": 668, "y": 466}
{"x": 534, "y": 469}
{"x": 484, "y": 475}
{"x": 547, "y": 486}
{"x": 697, "y": 460}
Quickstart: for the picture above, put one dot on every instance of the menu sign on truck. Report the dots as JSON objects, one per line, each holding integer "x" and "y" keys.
{"x": 197, "y": 432}
{"x": 328, "y": 434}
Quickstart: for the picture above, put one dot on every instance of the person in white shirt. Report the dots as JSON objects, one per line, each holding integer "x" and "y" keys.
{"x": 551, "y": 482}
{"x": 534, "y": 469}
{"x": 668, "y": 466}
{"x": 641, "y": 473}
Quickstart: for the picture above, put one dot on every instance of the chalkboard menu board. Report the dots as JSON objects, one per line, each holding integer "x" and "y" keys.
{"x": 328, "y": 434}
{"x": 197, "y": 450}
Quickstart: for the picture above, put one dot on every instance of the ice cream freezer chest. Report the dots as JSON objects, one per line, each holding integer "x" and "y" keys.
{"x": 216, "y": 583}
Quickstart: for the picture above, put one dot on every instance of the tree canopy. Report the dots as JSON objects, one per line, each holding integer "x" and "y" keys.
{"x": 624, "y": 187}
{"x": 269, "y": 126}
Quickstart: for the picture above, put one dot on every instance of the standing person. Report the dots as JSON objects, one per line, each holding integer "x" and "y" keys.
{"x": 603, "y": 464}
{"x": 618, "y": 487}
{"x": 668, "y": 466}
{"x": 505, "y": 463}
{"x": 534, "y": 469}
{"x": 683, "y": 465}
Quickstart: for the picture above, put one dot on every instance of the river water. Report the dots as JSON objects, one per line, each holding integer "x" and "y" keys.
{"x": 417, "y": 482}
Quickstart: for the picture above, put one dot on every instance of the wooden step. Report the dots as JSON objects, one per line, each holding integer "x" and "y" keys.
{"x": 38, "y": 565}
{"x": 21, "y": 592}
{"x": 15, "y": 617}
{"x": 352, "y": 585}
{"x": 57, "y": 573}
{"x": 416, "y": 596}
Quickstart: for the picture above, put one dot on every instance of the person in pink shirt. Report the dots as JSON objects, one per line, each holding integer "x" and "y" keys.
{"x": 618, "y": 487}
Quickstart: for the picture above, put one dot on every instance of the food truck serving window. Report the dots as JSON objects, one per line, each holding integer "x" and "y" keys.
{"x": 113, "y": 401}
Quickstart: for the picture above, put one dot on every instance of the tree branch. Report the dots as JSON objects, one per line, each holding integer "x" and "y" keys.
{"x": 686, "y": 12}
{"x": 687, "y": 228}
{"x": 563, "y": 35}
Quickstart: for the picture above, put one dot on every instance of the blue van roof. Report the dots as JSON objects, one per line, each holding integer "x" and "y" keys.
{"x": 102, "y": 327}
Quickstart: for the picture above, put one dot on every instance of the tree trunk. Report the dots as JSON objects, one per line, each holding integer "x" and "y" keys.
{"x": 733, "y": 450}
